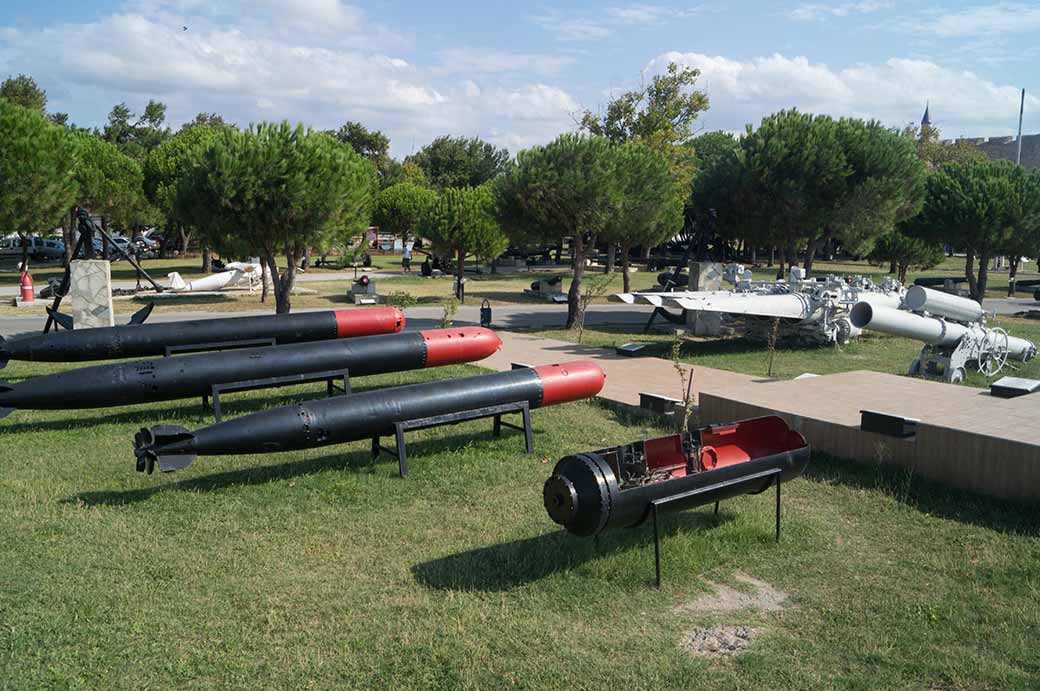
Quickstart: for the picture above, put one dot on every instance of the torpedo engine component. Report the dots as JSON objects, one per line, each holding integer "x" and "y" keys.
{"x": 143, "y": 340}
{"x": 366, "y": 415}
{"x": 163, "y": 379}
{"x": 620, "y": 486}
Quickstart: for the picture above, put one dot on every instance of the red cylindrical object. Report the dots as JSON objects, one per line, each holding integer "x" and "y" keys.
{"x": 26, "y": 286}
{"x": 458, "y": 345}
{"x": 368, "y": 322}
{"x": 570, "y": 381}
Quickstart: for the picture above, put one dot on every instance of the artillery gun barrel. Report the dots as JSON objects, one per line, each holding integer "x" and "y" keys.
{"x": 930, "y": 330}
{"x": 940, "y": 304}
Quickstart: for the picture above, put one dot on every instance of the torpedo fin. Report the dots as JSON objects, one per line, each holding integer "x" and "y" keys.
{"x": 4, "y": 412}
{"x": 63, "y": 320}
{"x": 140, "y": 315}
{"x": 148, "y": 444}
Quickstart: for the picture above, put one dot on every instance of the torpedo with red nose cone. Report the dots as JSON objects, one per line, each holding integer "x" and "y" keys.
{"x": 144, "y": 340}
{"x": 365, "y": 415}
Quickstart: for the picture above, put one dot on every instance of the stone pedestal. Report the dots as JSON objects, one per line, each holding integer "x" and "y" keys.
{"x": 704, "y": 323}
{"x": 91, "y": 292}
{"x": 705, "y": 276}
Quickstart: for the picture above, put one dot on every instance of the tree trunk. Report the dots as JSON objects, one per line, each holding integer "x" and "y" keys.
{"x": 207, "y": 260}
{"x": 979, "y": 291}
{"x": 812, "y": 248}
{"x": 754, "y": 252}
{"x": 1012, "y": 273}
{"x": 574, "y": 294}
{"x": 104, "y": 238}
{"x": 892, "y": 268}
{"x": 611, "y": 254}
{"x": 25, "y": 250}
{"x": 184, "y": 238}
{"x": 283, "y": 283}
{"x": 772, "y": 256}
{"x": 626, "y": 281}
{"x": 263, "y": 282}
{"x": 460, "y": 266}
{"x": 780, "y": 269}
{"x": 969, "y": 271}
{"x": 901, "y": 276}
{"x": 67, "y": 233}
{"x": 306, "y": 263}
{"x": 559, "y": 251}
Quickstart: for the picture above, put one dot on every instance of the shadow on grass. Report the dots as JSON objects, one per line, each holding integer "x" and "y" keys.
{"x": 418, "y": 451}
{"x": 927, "y": 496}
{"x": 511, "y": 564}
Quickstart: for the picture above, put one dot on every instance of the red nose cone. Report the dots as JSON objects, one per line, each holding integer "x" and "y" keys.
{"x": 368, "y": 322}
{"x": 572, "y": 381}
{"x": 455, "y": 346}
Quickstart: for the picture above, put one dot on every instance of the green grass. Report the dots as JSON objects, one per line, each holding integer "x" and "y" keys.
{"x": 872, "y": 351}
{"x": 323, "y": 569}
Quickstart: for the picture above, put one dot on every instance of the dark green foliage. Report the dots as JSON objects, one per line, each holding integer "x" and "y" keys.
{"x": 278, "y": 190}
{"x": 569, "y": 188}
{"x": 401, "y": 207}
{"x": 37, "y": 163}
{"x": 25, "y": 92}
{"x": 984, "y": 207}
{"x": 111, "y": 184}
{"x": 460, "y": 162}
{"x": 903, "y": 251}
{"x": 463, "y": 221}
{"x": 136, "y": 135}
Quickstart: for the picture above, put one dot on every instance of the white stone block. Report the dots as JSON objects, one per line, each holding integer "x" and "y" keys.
{"x": 91, "y": 292}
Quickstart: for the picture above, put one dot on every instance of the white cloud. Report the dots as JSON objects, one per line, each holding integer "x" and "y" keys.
{"x": 894, "y": 92}
{"x": 980, "y": 20}
{"x": 811, "y": 12}
{"x": 470, "y": 60}
{"x": 572, "y": 29}
{"x": 306, "y": 68}
{"x": 649, "y": 14}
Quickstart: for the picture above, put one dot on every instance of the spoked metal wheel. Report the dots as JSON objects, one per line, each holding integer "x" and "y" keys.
{"x": 993, "y": 354}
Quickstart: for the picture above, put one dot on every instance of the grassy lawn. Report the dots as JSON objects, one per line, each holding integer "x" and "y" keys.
{"x": 872, "y": 351}
{"x": 323, "y": 569}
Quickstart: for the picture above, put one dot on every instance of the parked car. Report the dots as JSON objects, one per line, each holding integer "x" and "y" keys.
{"x": 39, "y": 248}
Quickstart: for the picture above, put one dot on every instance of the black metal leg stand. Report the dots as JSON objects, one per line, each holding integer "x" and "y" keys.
{"x": 778, "y": 508}
{"x": 657, "y": 546}
{"x": 716, "y": 508}
{"x": 402, "y": 458}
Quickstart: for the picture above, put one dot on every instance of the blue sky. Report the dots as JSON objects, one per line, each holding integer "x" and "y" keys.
{"x": 516, "y": 74}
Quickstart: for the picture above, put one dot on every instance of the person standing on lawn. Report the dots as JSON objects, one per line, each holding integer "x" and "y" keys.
{"x": 406, "y": 258}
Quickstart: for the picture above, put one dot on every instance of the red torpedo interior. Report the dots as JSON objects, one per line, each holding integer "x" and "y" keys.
{"x": 571, "y": 381}
{"x": 459, "y": 345}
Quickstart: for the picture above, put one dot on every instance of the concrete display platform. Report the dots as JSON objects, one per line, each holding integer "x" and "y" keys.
{"x": 965, "y": 437}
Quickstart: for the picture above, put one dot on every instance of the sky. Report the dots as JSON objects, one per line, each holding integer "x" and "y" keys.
{"x": 518, "y": 74}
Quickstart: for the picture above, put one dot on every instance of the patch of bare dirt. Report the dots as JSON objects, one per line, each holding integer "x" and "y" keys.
{"x": 762, "y": 597}
{"x": 718, "y": 641}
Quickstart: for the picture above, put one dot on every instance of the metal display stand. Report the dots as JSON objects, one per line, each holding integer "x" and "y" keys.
{"x": 330, "y": 377}
{"x": 701, "y": 490}
{"x": 496, "y": 411}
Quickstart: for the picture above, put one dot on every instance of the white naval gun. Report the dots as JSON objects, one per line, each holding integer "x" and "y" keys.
{"x": 814, "y": 310}
{"x": 953, "y": 330}
{"x": 244, "y": 275}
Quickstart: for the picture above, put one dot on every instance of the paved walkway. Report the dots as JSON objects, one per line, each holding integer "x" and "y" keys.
{"x": 523, "y": 317}
{"x": 626, "y": 376}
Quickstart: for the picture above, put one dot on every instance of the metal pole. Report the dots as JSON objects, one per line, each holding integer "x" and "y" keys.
{"x": 1021, "y": 110}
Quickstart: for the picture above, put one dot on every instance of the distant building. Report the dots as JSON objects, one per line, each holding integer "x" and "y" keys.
{"x": 998, "y": 148}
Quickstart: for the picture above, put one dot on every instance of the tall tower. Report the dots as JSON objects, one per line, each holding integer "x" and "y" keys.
{"x": 926, "y": 120}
